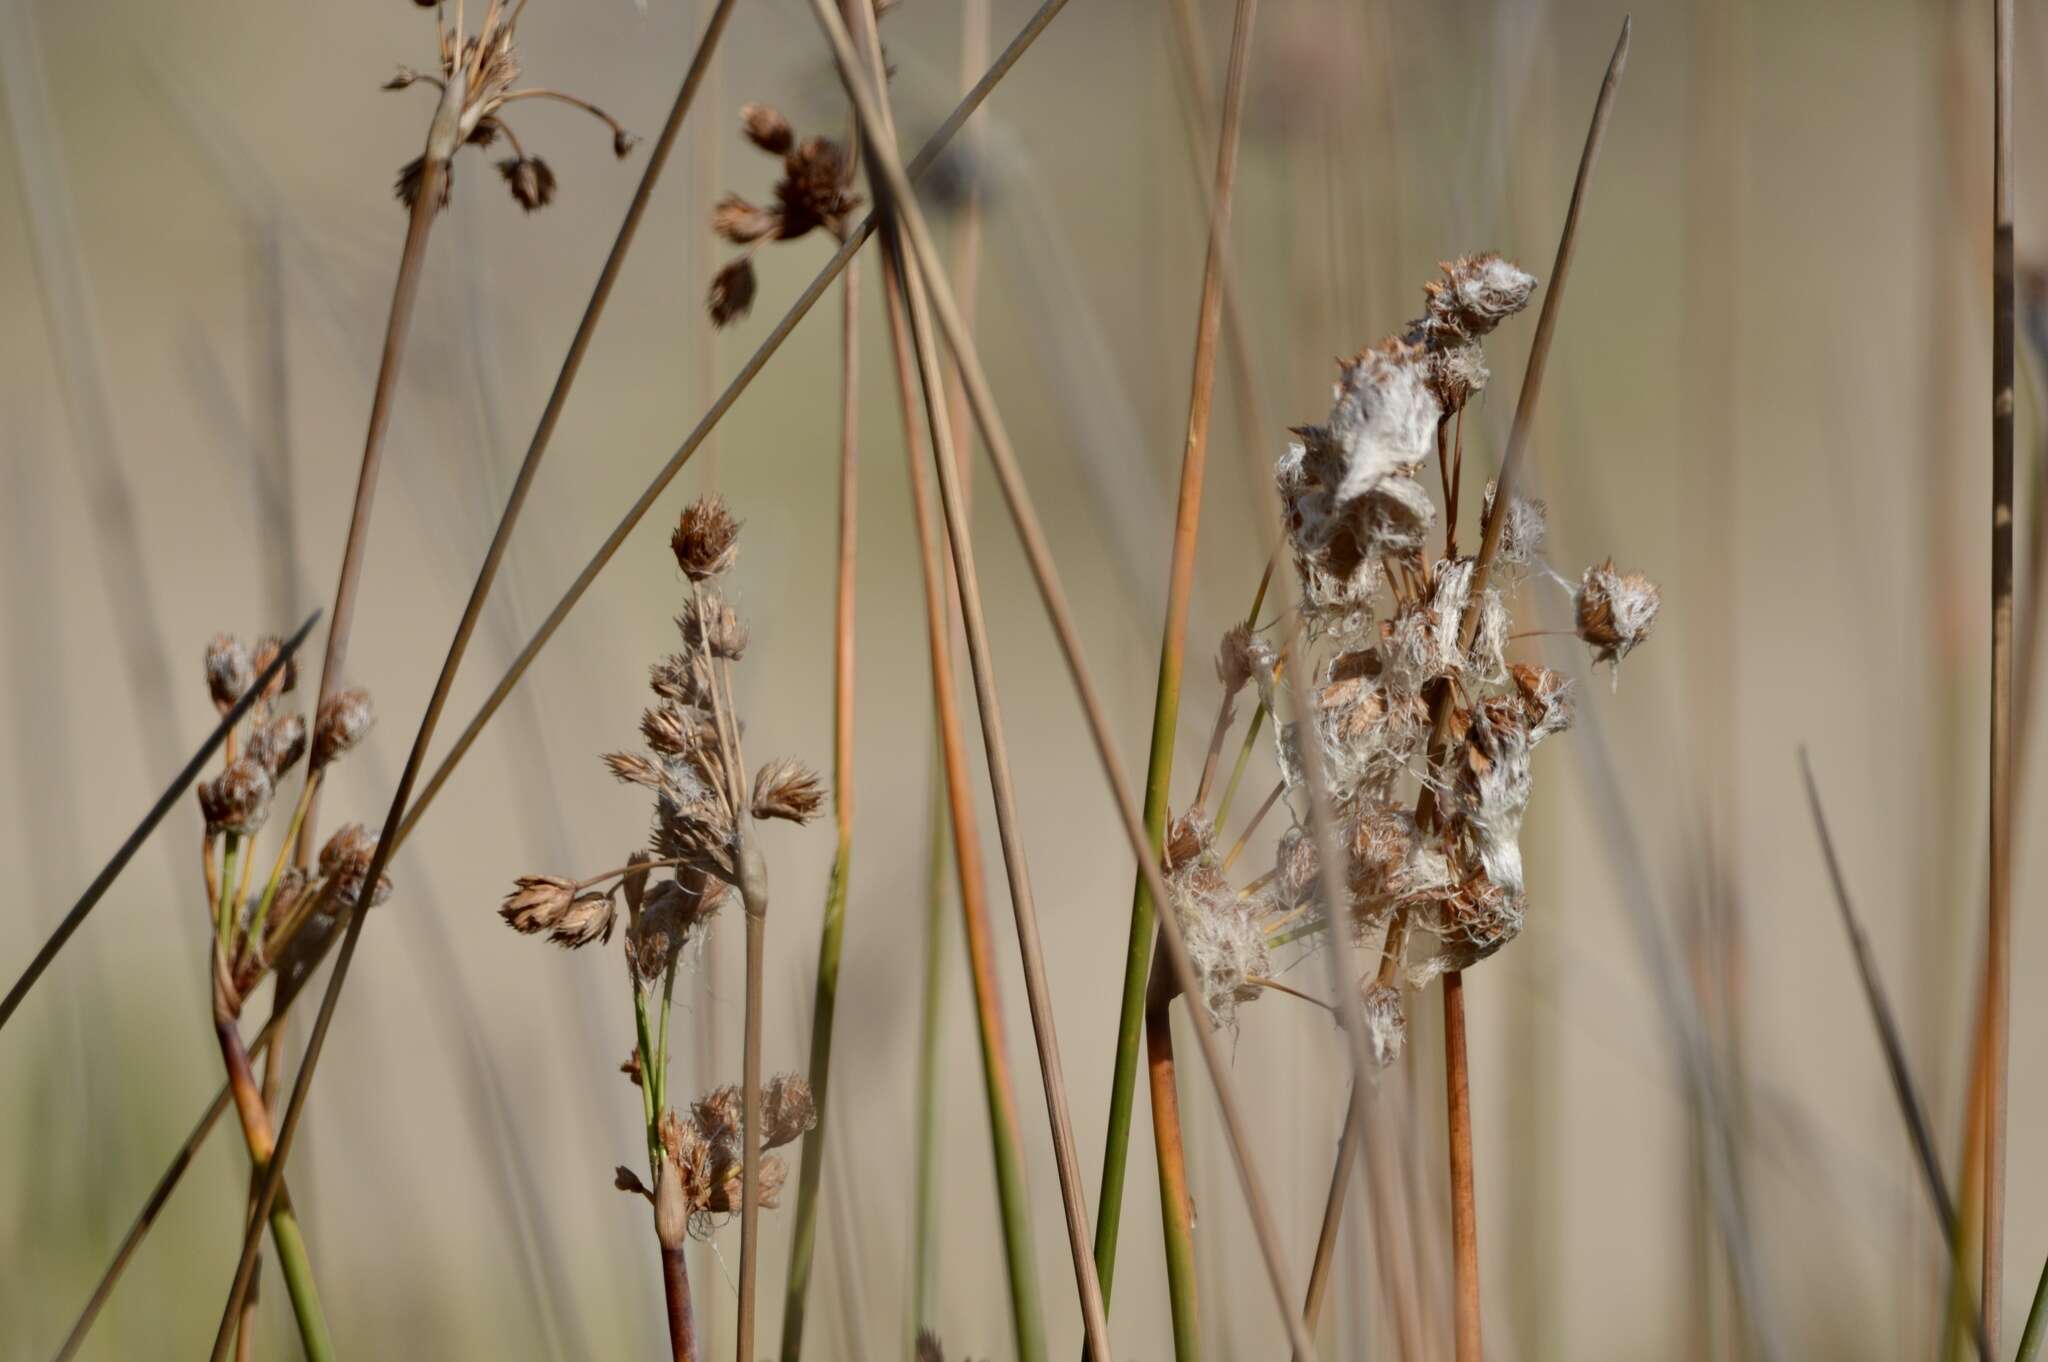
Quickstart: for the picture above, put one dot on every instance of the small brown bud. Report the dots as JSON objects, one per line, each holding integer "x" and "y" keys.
{"x": 345, "y": 717}
{"x": 732, "y": 292}
{"x": 708, "y": 622}
{"x": 706, "y": 538}
{"x": 279, "y": 744}
{"x": 412, "y": 177}
{"x": 787, "y": 1110}
{"x": 485, "y": 133}
{"x": 669, "y": 731}
{"x": 766, "y": 128}
{"x": 812, "y": 190}
{"x": 531, "y": 182}
{"x": 741, "y": 222}
{"x": 626, "y": 1180}
{"x": 401, "y": 78}
{"x": 537, "y": 902}
{"x": 682, "y": 679}
{"x": 266, "y": 653}
{"x": 1386, "y": 1026}
{"x": 588, "y": 918}
{"x": 785, "y": 789}
{"x": 1236, "y": 659}
{"x": 631, "y": 1068}
{"x": 634, "y": 769}
{"x": 238, "y": 799}
{"x": 1615, "y": 610}
{"x": 228, "y": 671}
{"x": 634, "y": 884}
{"x": 345, "y": 861}
{"x": 623, "y": 143}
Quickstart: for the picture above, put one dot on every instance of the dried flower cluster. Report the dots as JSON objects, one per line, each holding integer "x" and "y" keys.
{"x": 477, "y": 78}
{"x": 815, "y": 191}
{"x": 1424, "y": 727}
{"x": 699, "y": 853}
{"x": 254, "y": 923}
{"x": 708, "y": 1148}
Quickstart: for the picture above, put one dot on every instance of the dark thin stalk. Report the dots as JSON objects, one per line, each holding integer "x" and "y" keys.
{"x": 1998, "y": 948}
{"x": 1881, "y": 1015}
{"x": 1138, "y": 950}
{"x": 1333, "y": 1216}
{"x": 1012, "y": 1196}
{"x": 832, "y": 931}
{"x": 174, "y": 792}
{"x": 1053, "y": 596}
{"x": 486, "y": 575}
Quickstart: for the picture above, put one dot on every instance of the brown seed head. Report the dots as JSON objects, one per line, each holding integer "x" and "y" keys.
{"x": 345, "y": 861}
{"x": 228, "y": 671}
{"x": 741, "y": 222}
{"x": 412, "y": 176}
{"x": 786, "y": 1110}
{"x": 537, "y": 903}
{"x": 238, "y": 799}
{"x": 1477, "y": 293}
{"x": 588, "y": 918}
{"x": 812, "y": 191}
{"x": 266, "y": 653}
{"x": 706, "y": 538}
{"x": 531, "y": 181}
{"x": 634, "y": 769}
{"x": 344, "y": 718}
{"x": 732, "y": 292}
{"x": 682, "y": 679}
{"x": 1236, "y": 659}
{"x": 279, "y": 744}
{"x": 708, "y": 622}
{"x": 766, "y": 128}
{"x": 786, "y": 789}
{"x": 1615, "y": 610}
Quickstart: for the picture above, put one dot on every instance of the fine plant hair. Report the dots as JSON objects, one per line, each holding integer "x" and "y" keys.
{"x": 703, "y": 848}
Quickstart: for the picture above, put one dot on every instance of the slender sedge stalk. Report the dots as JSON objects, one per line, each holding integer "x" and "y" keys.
{"x": 924, "y": 1262}
{"x": 1013, "y": 1197}
{"x": 1998, "y": 950}
{"x": 832, "y": 931}
{"x": 1138, "y": 950}
{"x": 2036, "y": 1332}
{"x": 1176, "y": 1213}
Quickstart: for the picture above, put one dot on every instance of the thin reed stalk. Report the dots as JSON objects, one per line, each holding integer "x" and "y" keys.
{"x": 132, "y": 843}
{"x": 1176, "y": 1211}
{"x": 1138, "y": 951}
{"x": 832, "y": 930}
{"x": 1903, "y": 1088}
{"x": 2036, "y": 1332}
{"x": 1037, "y": 987}
{"x": 924, "y": 1257}
{"x": 1333, "y": 1215}
{"x": 1997, "y": 952}
{"x": 1053, "y": 596}
{"x": 434, "y": 171}
{"x": 1012, "y": 1195}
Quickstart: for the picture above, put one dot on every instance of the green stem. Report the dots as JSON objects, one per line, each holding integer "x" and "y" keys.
{"x": 825, "y": 1000}
{"x": 1244, "y": 756}
{"x": 1176, "y": 1217}
{"x": 925, "y": 1263}
{"x": 223, "y": 920}
{"x": 253, "y": 941}
{"x": 2037, "y": 1323}
{"x": 668, "y": 990}
{"x": 649, "y": 1112}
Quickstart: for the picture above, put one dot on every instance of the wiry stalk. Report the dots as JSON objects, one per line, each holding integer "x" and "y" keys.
{"x": 1037, "y": 988}
{"x": 1176, "y": 1212}
{"x": 429, "y": 193}
{"x": 1997, "y": 955}
{"x": 754, "y": 896}
{"x": 1333, "y": 1215}
{"x": 173, "y": 792}
{"x": 1011, "y": 1193}
{"x": 825, "y": 997}
{"x": 924, "y": 1261}
{"x": 1053, "y": 596}
{"x": 1138, "y": 950}
{"x": 1903, "y": 1088}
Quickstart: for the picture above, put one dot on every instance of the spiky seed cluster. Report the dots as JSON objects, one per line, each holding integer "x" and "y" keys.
{"x": 708, "y": 1147}
{"x": 701, "y": 794}
{"x": 482, "y": 70}
{"x": 1399, "y": 640}
{"x": 815, "y": 190}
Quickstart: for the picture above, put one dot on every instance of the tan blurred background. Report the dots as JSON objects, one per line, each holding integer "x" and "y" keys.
{"x": 1769, "y": 392}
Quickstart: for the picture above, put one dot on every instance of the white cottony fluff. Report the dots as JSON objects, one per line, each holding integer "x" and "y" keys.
{"x": 1384, "y": 420}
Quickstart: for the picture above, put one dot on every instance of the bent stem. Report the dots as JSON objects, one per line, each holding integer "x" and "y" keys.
{"x": 257, "y": 1133}
{"x": 832, "y": 931}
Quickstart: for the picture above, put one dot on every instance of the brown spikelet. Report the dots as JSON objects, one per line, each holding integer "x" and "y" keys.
{"x": 732, "y": 292}
{"x": 766, "y": 128}
{"x": 706, "y": 538}
{"x": 788, "y": 790}
{"x": 741, "y": 222}
{"x": 531, "y": 181}
{"x": 634, "y": 769}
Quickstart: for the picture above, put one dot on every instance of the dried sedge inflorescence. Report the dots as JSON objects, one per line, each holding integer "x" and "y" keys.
{"x": 478, "y": 75}
{"x": 255, "y": 921}
{"x": 1397, "y": 629}
{"x": 699, "y": 852}
{"x": 815, "y": 190}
